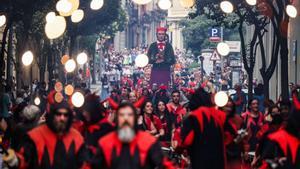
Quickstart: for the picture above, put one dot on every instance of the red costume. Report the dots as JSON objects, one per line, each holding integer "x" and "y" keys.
{"x": 202, "y": 134}
{"x": 143, "y": 151}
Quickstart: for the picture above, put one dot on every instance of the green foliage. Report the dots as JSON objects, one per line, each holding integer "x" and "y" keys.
{"x": 196, "y": 33}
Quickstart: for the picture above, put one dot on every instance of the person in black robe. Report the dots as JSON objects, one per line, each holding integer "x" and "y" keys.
{"x": 54, "y": 145}
{"x": 203, "y": 134}
{"x": 161, "y": 56}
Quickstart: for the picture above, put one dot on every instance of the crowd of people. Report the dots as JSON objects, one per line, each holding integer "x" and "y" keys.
{"x": 143, "y": 126}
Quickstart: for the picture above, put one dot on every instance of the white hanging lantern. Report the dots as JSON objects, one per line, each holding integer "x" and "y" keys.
{"x": 63, "y": 6}
{"x": 221, "y": 99}
{"x": 27, "y": 58}
{"x": 75, "y": 6}
{"x": 37, "y": 101}
{"x": 82, "y": 58}
{"x": 226, "y": 7}
{"x": 50, "y": 17}
{"x": 141, "y": 2}
{"x": 223, "y": 49}
{"x": 96, "y": 4}
{"x": 2, "y": 20}
{"x": 56, "y": 28}
{"x": 70, "y": 65}
{"x": 251, "y": 2}
{"x": 141, "y": 60}
{"x": 77, "y": 16}
{"x": 187, "y": 3}
{"x": 291, "y": 10}
{"x": 77, "y": 99}
{"x": 164, "y": 4}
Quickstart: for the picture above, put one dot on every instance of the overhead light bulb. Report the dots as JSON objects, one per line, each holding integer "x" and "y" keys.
{"x": 226, "y": 7}
{"x": 2, "y": 20}
{"x": 70, "y": 65}
{"x": 251, "y": 2}
{"x": 141, "y": 60}
{"x": 77, "y": 16}
{"x": 96, "y": 4}
{"x": 77, "y": 99}
{"x": 164, "y": 4}
{"x": 223, "y": 48}
{"x": 141, "y": 2}
{"x": 221, "y": 99}
{"x": 27, "y": 58}
{"x": 291, "y": 10}
{"x": 82, "y": 58}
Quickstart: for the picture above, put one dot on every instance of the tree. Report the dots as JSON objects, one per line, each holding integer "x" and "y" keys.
{"x": 28, "y": 18}
{"x": 264, "y": 13}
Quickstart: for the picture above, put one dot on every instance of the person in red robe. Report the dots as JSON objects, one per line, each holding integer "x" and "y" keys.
{"x": 127, "y": 147}
{"x": 51, "y": 145}
{"x": 282, "y": 148}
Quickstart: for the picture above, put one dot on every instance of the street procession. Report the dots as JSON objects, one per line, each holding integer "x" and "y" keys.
{"x": 149, "y": 84}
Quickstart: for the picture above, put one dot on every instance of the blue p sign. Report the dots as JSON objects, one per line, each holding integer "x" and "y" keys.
{"x": 215, "y": 34}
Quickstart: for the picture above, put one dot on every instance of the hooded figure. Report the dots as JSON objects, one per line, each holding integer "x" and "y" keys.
{"x": 54, "y": 145}
{"x": 96, "y": 124}
{"x": 202, "y": 132}
{"x": 283, "y": 146}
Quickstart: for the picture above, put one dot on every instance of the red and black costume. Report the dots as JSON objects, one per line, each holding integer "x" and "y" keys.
{"x": 99, "y": 126}
{"x": 202, "y": 133}
{"x": 284, "y": 144}
{"x": 253, "y": 125}
{"x": 178, "y": 111}
{"x": 43, "y": 148}
{"x": 143, "y": 151}
{"x": 234, "y": 144}
{"x": 167, "y": 121}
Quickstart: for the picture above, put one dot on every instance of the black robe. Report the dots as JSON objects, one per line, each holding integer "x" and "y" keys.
{"x": 144, "y": 152}
{"x": 203, "y": 136}
{"x": 43, "y": 149}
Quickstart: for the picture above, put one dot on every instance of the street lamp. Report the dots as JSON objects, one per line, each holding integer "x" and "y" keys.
{"x": 96, "y": 4}
{"x": 55, "y": 28}
{"x": 2, "y": 20}
{"x": 141, "y": 2}
{"x": 141, "y": 60}
{"x": 202, "y": 68}
{"x": 164, "y": 4}
{"x": 291, "y": 11}
{"x": 251, "y": 2}
{"x": 223, "y": 48}
{"x": 70, "y": 65}
{"x": 221, "y": 99}
{"x": 27, "y": 58}
{"x": 82, "y": 58}
{"x": 226, "y": 6}
{"x": 77, "y": 16}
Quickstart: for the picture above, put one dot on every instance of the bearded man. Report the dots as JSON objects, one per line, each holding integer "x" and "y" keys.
{"x": 54, "y": 145}
{"x": 128, "y": 148}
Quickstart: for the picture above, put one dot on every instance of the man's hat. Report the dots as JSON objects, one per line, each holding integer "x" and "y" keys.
{"x": 161, "y": 29}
